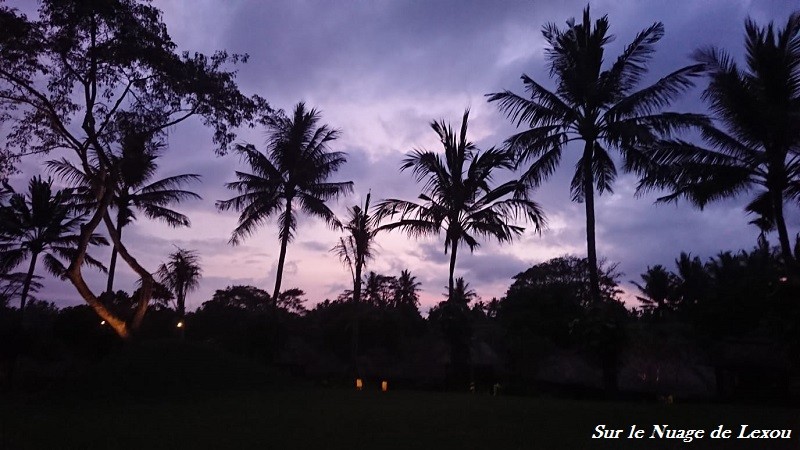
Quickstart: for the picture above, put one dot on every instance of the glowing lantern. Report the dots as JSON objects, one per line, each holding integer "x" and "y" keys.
{"x": 384, "y": 386}
{"x": 102, "y": 322}
{"x": 180, "y": 324}
{"x": 359, "y": 384}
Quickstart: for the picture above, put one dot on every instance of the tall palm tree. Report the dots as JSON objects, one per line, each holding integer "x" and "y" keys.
{"x": 757, "y": 144}
{"x": 180, "y": 274}
{"x": 41, "y": 223}
{"x": 457, "y": 196}
{"x": 135, "y": 166}
{"x": 292, "y": 174}
{"x": 354, "y": 250}
{"x": 601, "y": 108}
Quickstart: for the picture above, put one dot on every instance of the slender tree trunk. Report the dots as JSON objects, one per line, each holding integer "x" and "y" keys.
{"x": 282, "y": 257}
{"x": 113, "y": 263}
{"x": 278, "y": 278}
{"x": 356, "y": 311}
{"x": 453, "y": 252}
{"x": 591, "y": 245}
{"x": 26, "y": 287}
{"x": 783, "y": 234}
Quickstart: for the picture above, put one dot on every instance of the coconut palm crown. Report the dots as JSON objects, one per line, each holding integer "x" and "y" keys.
{"x": 289, "y": 177}
{"x": 754, "y": 145}
{"x": 600, "y": 107}
{"x": 458, "y": 198}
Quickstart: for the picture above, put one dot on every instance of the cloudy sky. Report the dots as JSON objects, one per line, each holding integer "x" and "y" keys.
{"x": 381, "y": 71}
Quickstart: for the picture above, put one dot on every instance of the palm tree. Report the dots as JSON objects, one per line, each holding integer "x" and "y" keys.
{"x": 291, "y": 175}
{"x": 599, "y": 107}
{"x": 457, "y": 197}
{"x": 135, "y": 167}
{"x": 757, "y": 147}
{"x": 406, "y": 291}
{"x": 180, "y": 274}
{"x": 354, "y": 250}
{"x": 659, "y": 290}
{"x": 43, "y": 223}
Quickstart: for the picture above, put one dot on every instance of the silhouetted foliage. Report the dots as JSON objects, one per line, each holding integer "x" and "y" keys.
{"x": 755, "y": 142}
{"x": 41, "y": 223}
{"x": 602, "y": 108}
{"x": 118, "y": 55}
{"x": 457, "y": 197}
{"x": 292, "y": 173}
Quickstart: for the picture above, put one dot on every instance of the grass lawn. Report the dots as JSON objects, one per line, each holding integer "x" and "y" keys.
{"x": 168, "y": 395}
{"x": 312, "y": 418}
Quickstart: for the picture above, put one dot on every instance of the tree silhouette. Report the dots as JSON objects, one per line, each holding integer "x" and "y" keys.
{"x": 458, "y": 198}
{"x": 599, "y": 107}
{"x": 758, "y": 144}
{"x": 41, "y": 223}
{"x": 180, "y": 274}
{"x": 134, "y": 166}
{"x": 354, "y": 250}
{"x": 406, "y": 290}
{"x": 658, "y": 291}
{"x": 82, "y": 74}
{"x": 293, "y": 172}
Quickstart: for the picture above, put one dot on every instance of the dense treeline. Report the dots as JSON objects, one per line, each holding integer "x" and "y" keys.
{"x": 723, "y": 327}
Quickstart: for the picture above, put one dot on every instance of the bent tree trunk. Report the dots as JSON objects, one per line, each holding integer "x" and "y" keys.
{"x": 75, "y": 275}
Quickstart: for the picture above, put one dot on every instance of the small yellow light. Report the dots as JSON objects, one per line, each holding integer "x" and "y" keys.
{"x": 359, "y": 384}
{"x": 102, "y": 322}
{"x": 384, "y": 386}
{"x": 180, "y": 324}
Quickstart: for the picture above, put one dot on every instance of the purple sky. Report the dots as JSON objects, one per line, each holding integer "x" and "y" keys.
{"x": 381, "y": 71}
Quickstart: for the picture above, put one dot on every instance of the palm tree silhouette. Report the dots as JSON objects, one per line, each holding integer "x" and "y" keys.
{"x": 599, "y": 107}
{"x": 43, "y": 223}
{"x": 135, "y": 166}
{"x": 407, "y": 287}
{"x": 180, "y": 274}
{"x": 457, "y": 197}
{"x": 354, "y": 250}
{"x": 758, "y": 144}
{"x": 658, "y": 290}
{"x": 292, "y": 173}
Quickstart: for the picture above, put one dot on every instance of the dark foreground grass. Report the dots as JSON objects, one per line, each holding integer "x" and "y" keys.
{"x": 181, "y": 395}
{"x": 315, "y": 418}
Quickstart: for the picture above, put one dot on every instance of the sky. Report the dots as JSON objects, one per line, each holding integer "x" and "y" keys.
{"x": 381, "y": 71}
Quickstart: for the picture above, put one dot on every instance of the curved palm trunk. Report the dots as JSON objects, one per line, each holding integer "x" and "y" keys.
{"x": 591, "y": 245}
{"x": 282, "y": 257}
{"x": 453, "y": 252}
{"x": 279, "y": 277}
{"x": 783, "y": 234}
{"x": 113, "y": 263}
{"x": 26, "y": 287}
